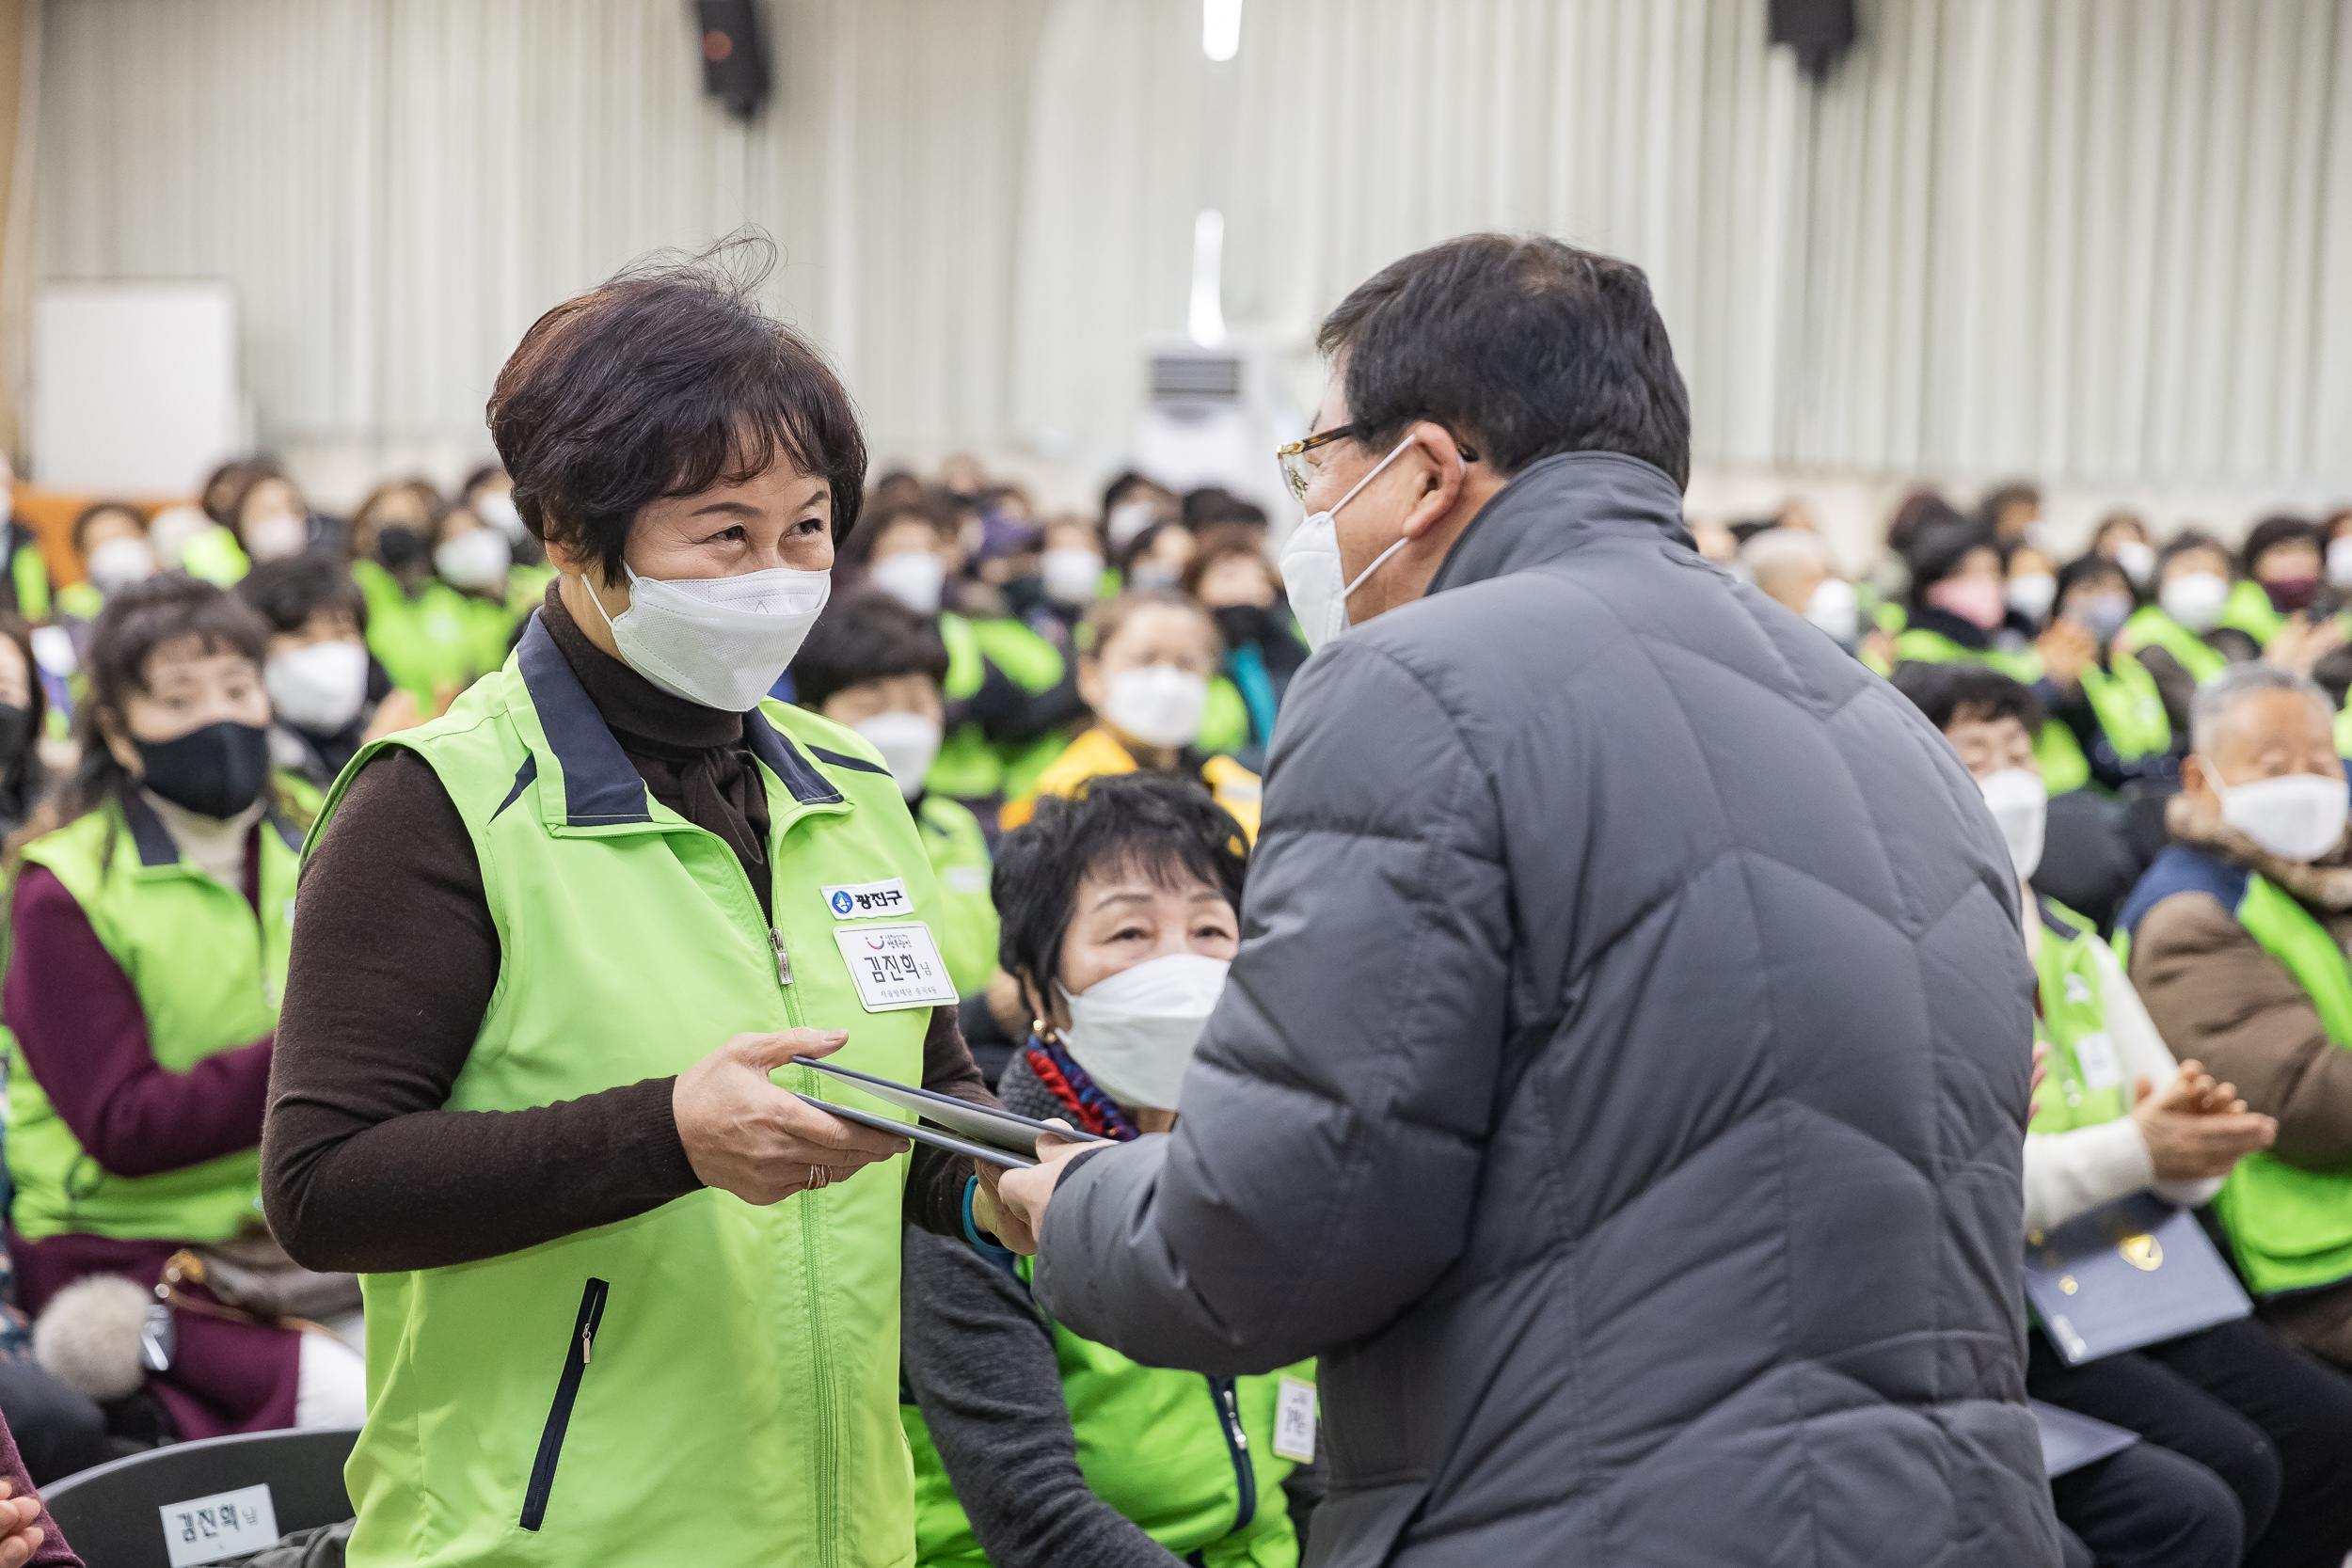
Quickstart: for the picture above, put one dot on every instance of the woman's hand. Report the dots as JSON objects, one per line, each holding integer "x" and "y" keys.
{"x": 2197, "y": 1128}
{"x": 2067, "y": 650}
{"x": 20, "y": 1536}
{"x": 746, "y": 1136}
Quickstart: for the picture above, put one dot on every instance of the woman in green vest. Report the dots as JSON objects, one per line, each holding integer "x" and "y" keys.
{"x": 2249, "y": 1443}
{"x": 474, "y": 560}
{"x": 1035, "y": 1448}
{"x": 149, "y": 925}
{"x": 2181, "y": 638}
{"x": 424, "y": 632}
{"x": 2284, "y": 561}
{"x": 630, "y": 1296}
{"x": 2112, "y": 705}
{"x": 110, "y": 542}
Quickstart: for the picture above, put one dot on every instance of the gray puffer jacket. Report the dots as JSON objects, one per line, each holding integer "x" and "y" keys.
{"x": 1622, "y": 1085}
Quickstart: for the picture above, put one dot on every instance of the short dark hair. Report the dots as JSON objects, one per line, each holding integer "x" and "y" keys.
{"x": 1937, "y": 551}
{"x": 1920, "y": 510}
{"x": 1161, "y": 824}
{"x": 287, "y": 592}
{"x": 2273, "y": 531}
{"x": 1522, "y": 346}
{"x": 1952, "y": 694}
{"x": 96, "y": 510}
{"x": 664, "y": 381}
{"x": 868, "y": 635}
{"x": 2084, "y": 568}
{"x": 931, "y": 509}
{"x": 2186, "y": 540}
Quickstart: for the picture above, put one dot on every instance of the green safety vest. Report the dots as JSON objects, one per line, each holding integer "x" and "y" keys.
{"x": 2149, "y": 626}
{"x": 2248, "y": 608}
{"x": 2129, "y": 708}
{"x": 2063, "y": 765}
{"x": 713, "y": 1374}
{"x": 967, "y": 924}
{"x": 1188, "y": 1458}
{"x": 216, "y": 556}
{"x": 2073, "y": 1010}
{"x": 28, "y": 574}
{"x": 82, "y": 600}
{"x": 2292, "y": 1228}
{"x": 970, "y": 767}
{"x": 2343, "y": 732}
{"x": 1225, "y": 721}
{"x": 430, "y": 641}
{"x": 209, "y": 977}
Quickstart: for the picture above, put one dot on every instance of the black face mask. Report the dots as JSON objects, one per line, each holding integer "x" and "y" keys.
{"x": 1243, "y": 622}
{"x": 397, "y": 545}
{"x": 216, "y": 771}
{"x": 16, "y": 733}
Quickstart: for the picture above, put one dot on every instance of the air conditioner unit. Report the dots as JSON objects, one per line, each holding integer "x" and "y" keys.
{"x": 1215, "y": 416}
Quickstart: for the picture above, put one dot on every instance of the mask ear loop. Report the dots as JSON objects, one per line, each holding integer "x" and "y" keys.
{"x": 595, "y": 599}
{"x": 1347, "y": 593}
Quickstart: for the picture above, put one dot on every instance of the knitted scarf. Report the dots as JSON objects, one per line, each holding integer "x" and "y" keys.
{"x": 1089, "y": 1106}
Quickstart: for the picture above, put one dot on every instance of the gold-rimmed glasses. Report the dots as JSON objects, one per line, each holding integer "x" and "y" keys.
{"x": 1296, "y": 471}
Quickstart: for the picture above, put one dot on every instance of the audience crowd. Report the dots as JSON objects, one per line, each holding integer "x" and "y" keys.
{"x": 1076, "y": 710}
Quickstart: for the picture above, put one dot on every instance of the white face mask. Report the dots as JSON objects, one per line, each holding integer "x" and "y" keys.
{"x": 720, "y": 641}
{"x": 496, "y": 508}
{"x": 1835, "y": 609}
{"x": 2032, "y": 595}
{"x": 914, "y": 577}
{"x": 2020, "y": 805}
{"x": 276, "y": 537}
{"x": 2296, "y": 817}
{"x": 1135, "y": 1032}
{"x": 2194, "y": 599}
{"x": 117, "y": 564}
{"x": 909, "y": 743}
{"x": 2137, "y": 560}
{"x": 473, "y": 560}
{"x": 1311, "y": 566}
{"x": 172, "y": 530}
{"x": 2340, "y": 561}
{"x": 1072, "y": 575}
{"x": 1159, "y": 705}
{"x": 1126, "y": 521}
{"x": 319, "y": 688}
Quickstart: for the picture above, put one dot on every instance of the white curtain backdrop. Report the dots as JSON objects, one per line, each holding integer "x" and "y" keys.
{"x": 2103, "y": 241}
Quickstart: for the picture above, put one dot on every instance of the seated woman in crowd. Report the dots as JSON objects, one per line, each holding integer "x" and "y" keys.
{"x": 2180, "y": 637}
{"x": 270, "y": 521}
{"x": 418, "y": 626}
{"x": 1034, "y": 1448}
{"x": 1008, "y": 692}
{"x": 1147, "y": 660}
{"x": 1157, "y": 556}
{"x": 2238, "y": 938}
{"x": 2249, "y": 1442}
{"x": 476, "y": 563}
{"x": 149, "y": 929}
{"x": 1232, "y": 579}
{"x": 329, "y": 694}
{"x": 2284, "y": 561}
{"x": 110, "y": 542}
{"x": 2123, "y": 538}
{"x": 1071, "y": 570}
{"x": 874, "y": 666}
{"x": 2113, "y": 706}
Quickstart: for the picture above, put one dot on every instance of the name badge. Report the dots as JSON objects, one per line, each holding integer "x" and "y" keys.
{"x": 883, "y": 900}
{"x": 895, "y": 966}
{"x": 2096, "y": 1055}
{"x": 1295, "y": 1421}
{"x": 226, "y": 1523}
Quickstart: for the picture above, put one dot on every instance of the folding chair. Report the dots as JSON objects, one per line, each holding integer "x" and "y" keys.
{"x": 190, "y": 1503}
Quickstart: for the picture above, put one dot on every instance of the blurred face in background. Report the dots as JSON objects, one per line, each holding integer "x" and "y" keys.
{"x": 469, "y": 554}
{"x": 1149, "y": 679}
{"x": 1070, "y": 566}
{"x": 1973, "y": 590}
{"x": 116, "y": 551}
{"x": 911, "y": 563}
{"x": 2099, "y": 602}
{"x": 1990, "y": 746}
{"x": 272, "y": 521}
{"x": 373, "y": 535}
{"x": 1237, "y": 577}
{"x": 1162, "y": 561}
{"x": 2032, "y": 586}
{"x": 185, "y": 686}
{"x": 2289, "y": 560}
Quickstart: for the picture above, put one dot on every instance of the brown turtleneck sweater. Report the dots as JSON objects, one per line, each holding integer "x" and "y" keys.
{"x": 392, "y": 971}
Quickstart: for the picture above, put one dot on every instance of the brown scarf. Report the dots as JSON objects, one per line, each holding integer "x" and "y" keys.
{"x": 2325, "y": 884}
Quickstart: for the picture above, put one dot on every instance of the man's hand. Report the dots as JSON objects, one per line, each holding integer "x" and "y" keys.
{"x": 20, "y": 1537}
{"x": 2197, "y": 1128}
{"x": 2067, "y": 649}
{"x": 747, "y": 1136}
{"x": 1021, "y": 1196}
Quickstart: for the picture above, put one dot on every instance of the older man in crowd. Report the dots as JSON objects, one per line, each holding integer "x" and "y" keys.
{"x": 2238, "y": 946}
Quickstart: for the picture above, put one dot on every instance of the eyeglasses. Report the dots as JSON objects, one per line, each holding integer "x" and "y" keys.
{"x": 1296, "y": 471}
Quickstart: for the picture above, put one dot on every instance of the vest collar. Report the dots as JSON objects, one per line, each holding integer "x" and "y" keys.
{"x": 602, "y": 788}
{"x": 156, "y": 847}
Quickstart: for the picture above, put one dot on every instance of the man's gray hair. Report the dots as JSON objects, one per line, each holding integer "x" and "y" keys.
{"x": 2215, "y": 700}
{"x": 1776, "y": 549}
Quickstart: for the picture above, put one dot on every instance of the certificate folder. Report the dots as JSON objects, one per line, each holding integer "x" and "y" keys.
{"x": 981, "y": 1132}
{"x": 2071, "y": 1441}
{"x": 2130, "y": 1272}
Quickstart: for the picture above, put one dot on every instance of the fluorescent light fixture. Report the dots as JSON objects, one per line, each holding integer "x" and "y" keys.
{"x": 1204, "y": 322}
{"x": 1221, "y": 29}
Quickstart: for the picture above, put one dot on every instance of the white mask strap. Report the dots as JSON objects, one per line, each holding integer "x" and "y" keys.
{"x": 1370, "y": 477}
{"x": 1348, "y": 592}
{"x": 597, "y": 599}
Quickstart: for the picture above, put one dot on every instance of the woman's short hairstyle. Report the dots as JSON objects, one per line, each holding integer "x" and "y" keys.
{"x": 868, "y": 635}
{"x": 2184, "y": 542}
{"x": 665, "y": 381}
{"x": 1952, "y": 694}
{"x": 1104, "y": 617}
{"x": 1164, "y": 826}
{"x": 2273, "y": 531}
{"x": 929, "y": 510}
{"x": 2088, "y": 568}
{"x": 1223, "y": 541}
{"x": 287, "y": 592}
{"x": 96, "y": 510}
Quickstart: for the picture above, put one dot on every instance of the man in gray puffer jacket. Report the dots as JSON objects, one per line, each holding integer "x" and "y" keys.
{"x": 1623, "y": 1079}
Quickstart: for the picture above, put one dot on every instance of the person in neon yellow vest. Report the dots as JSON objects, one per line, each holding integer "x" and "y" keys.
{"x": 2117, "y": 1116}
{"x": 2114, "y": 706}
{"x": 1794, "y": 567}
{"x": 473, "y": 557}
{"x": 2236, "y": 937}
{"x": 110, "y": 542}
{"x": 268, "y": 520}
{"x": 1035, "y": 1446}
{"x": 2284, "y": 562}
{"x": 2180, "y": 637}
{"x": 2123, "y": 538}
{"x": 649, "y": 1306}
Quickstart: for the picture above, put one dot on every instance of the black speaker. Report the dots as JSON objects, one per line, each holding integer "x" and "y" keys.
{"x": 1818, "y": 30}
{"x": 735, "y": 58}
